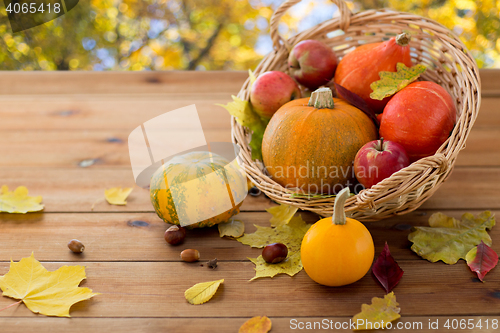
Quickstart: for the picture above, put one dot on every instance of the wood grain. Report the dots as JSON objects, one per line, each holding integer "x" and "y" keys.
{"x": 173, "y": 82}
{"x": 139, "y": 236}
{"x": 67, "y": 148}
{"x": 76, "y": 190}
{"x": 220, "y": 325}
{"x": 156, "y": 289}
{"x": 126, "y": 83}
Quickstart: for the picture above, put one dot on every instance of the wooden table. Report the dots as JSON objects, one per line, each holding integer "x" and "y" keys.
{"x": 51, "y": 122}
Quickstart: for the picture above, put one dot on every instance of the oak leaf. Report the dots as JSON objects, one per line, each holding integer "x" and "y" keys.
{"x": 481, "y": 259}
{"x": 449, "y": 239}
{"x": 19, "y": 201}
{"x": 117, "y": 195}
{"x": 44, "y": 292}
{"x": 233, "y": 228}
{"x": 386, "y": 270}
{"x": 259, "y": 324}
{"x": 392, "y": 82}
{"x": 202, "y": 292}
{"x": 282, "y": 214}
{"x": 290, "y": 234}
{"x": 379, "y": 314}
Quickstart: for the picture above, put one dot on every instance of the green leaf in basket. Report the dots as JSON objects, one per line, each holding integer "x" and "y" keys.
{"x": 245, "y": 116}
{"x": 392, "y": 82}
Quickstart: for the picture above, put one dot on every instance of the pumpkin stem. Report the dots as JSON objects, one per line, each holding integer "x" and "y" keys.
{"x": 403, "y": 39}
{"x": 338, "y": 207}
{"x": 321, "y": 98}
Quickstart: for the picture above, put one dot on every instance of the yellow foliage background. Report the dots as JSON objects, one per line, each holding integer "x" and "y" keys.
{"x": 208, "y": 34}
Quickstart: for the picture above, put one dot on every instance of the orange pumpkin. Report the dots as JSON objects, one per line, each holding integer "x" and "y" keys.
{"x": 310, "y": 144}
{"x": 337, "y": 250}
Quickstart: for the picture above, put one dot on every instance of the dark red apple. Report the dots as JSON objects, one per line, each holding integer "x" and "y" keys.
{"x": 312, "y": 63}
{"x": 270, "y": 91}
{"x": 377, "y": 160}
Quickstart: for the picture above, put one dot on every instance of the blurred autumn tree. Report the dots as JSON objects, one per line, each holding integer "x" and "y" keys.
{"x": 207, "y": 34}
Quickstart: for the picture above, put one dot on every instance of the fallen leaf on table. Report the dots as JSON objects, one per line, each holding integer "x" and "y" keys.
{"x": 386, "y": 270}
{"x": 481, "y": 259}
{"x": 282, "y": 214}
{"x": 44, "y": 292}
{"x": 117, "y": 195}
{"x": 233, "y": 228}
{"x": 290, "y": 234}
{"x": 202, "y": 292}
{"x": 392, "y": 82}
{"x": 245, "y": 116}
{"x": 378, "y": 314}
{"x": 450, "y": 240}
{"x": 18, "y": 201}
{"x": 259, "y": 324}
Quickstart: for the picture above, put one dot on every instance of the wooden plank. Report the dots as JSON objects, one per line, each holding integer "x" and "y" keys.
{"x": 67, "y": 148}
{"x": 101, "y": 232}
{"x": 163, "y": 82}
{"x": 95, "y": 112}
{"x": 156, "y": 289}
{"x": 490, "y": 85}
{"x": 150, "y": 82}
{"x": 125, "y": 112}
{"x": 227, "y": 325}
{"x": 75, "y": 190}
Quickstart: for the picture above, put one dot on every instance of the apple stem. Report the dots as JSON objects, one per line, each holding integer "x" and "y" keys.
{"x": 339, "y": 217}
{"x": 403, "y": 39}
{"x": 321, "y": 98}
{"x": 381, "y": 144}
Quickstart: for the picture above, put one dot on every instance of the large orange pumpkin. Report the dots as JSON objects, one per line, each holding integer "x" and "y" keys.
{"x": 310, "y": 144}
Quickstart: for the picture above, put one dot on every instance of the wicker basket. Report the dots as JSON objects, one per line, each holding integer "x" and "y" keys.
{"x": 448, "y": 63}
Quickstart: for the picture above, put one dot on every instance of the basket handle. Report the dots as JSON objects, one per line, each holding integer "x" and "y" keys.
{"x": 345, "y": 20}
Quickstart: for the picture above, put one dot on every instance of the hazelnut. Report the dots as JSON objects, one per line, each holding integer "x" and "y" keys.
{"x": 175, "y": 235}
{"x": 76, "y": 246}
{"x": 190, "y": 255}
{"x": 275, "y": 253}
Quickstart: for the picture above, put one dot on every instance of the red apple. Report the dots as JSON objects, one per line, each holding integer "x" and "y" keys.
{"x": 420, "y": 117}
{"x": 377, "y": 160}
{"x": 312, "y": 63}
{"x": 270, "y": 91}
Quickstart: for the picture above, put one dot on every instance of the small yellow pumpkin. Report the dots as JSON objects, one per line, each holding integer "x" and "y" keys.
{"x": 337, "y": 251}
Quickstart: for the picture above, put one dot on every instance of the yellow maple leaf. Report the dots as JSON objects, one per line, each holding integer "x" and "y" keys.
{"x": 117, "y": 195}
{"x": 378, "y": 314}
{"x": 233, "y": 228}
{"x": 392, "y": 82}
{"x": 202, "y": 292}
{"x": 290, "y": 234}
{"x": 282, "y": 214}
{"x": 18, "y": 201}
{"x": 44, "y": 292}
{"x": 259, "y": 324}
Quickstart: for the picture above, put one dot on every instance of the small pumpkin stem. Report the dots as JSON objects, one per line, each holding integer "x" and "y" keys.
{"x": 403, "y": 39}
{"x": 339, "y": 217}
{"x": 321, "y": 98}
